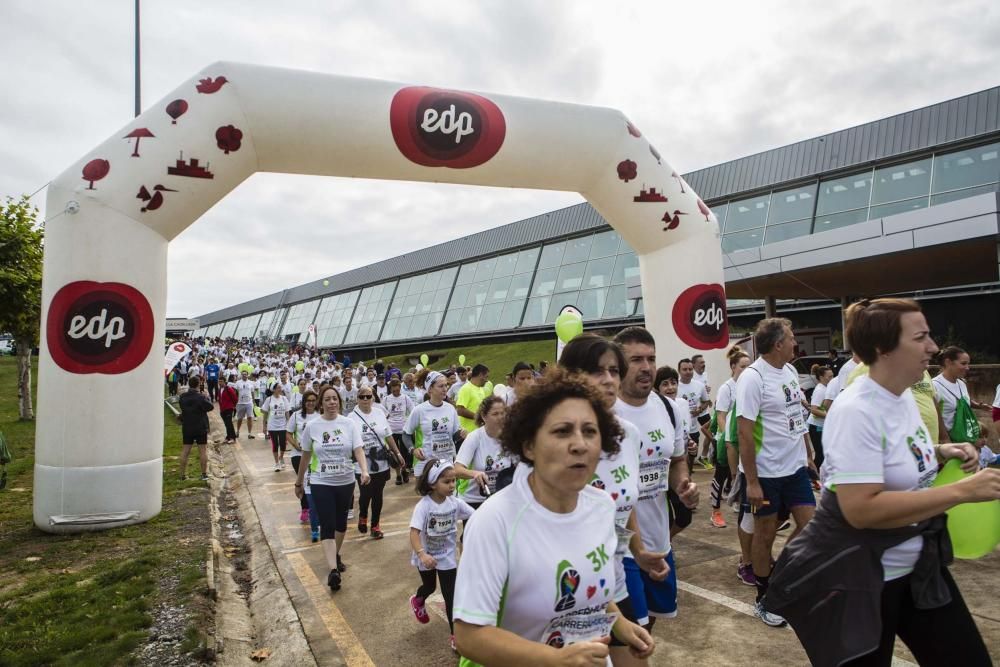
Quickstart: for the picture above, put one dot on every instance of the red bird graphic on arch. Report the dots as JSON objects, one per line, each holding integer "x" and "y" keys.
{"x": 155, "y": 200}
{"x": 672, "y": 220}
{"x": 209, "y": 85}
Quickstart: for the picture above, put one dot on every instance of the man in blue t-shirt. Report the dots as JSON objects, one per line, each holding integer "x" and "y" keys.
{"x": 212, "y": 378}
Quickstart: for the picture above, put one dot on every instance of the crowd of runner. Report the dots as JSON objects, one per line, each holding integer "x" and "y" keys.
{"x": 572, "y": 480}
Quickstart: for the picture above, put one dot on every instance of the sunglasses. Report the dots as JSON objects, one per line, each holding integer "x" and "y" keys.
{"x": 365, "y": 397}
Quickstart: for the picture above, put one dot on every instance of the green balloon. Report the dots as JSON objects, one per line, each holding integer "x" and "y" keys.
{"x": 299, "y": 365}
{"x": 568, "y": 326}
{"x": 461, "y": 359}
{"x": 326, "y": 283}
{"x": 424, "y": 359}
{"x": 974, "y": 527}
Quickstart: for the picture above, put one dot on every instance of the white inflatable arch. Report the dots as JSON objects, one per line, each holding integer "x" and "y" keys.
{"x": 98, "y": 456}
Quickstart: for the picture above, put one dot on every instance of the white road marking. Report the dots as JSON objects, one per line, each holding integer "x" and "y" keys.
{"x": 744, "y": 608}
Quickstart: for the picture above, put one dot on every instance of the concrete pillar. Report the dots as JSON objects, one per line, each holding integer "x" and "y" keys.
{"x": 769, "y": 306}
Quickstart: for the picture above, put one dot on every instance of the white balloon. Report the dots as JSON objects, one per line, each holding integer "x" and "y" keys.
{"x": 419, "y": 367}
{"x": 500, "y": 390}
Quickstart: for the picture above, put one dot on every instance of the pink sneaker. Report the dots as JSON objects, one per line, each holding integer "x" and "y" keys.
{"x": 419, "y": 610}
{"x": 304, "y": 516}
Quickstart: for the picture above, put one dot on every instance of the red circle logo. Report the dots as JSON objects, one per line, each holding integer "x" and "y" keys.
{"x": 446, "y": 128}
{"x": 96, "y": 327}
{"x": 699, "y": 317}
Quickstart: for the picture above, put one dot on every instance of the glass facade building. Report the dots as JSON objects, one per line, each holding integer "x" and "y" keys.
{"x": 831, "y": 203}
{"x": 515, "y": 279}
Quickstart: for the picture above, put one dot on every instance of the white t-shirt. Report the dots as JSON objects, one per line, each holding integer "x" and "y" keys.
{"x": 332, "y": 443}
{"x": 658, "y": 443}
{"x": 703, "y": 378}
{"x": 819, "y": 395}
{"x": 373, "y": 434}
{"x": 483, "y": 453}
{"x": 996, "y": 399}
{"x": 842, "y": 375}
{"x": 277, "y": 408}
{"x": 872, "y": 436}
{"x": 692, "y": 395}
{"x": 453, "y": 390}
{"x": 832, "y": 390}
{"x": 245, "y": 388}
{"x": 618, "y": 476}
{"x": 416, "y": 394}
{"x": 432, "y": 429}
{"x": 399, "y": 408}
{"x": 382, "y": 391}
{"x": 727, "y": 394}
{"x": 297, "y": 424}
{"x": 349, "y": 397}
{"x": 771, "y": 398}
{"x": 553, "y": 574}
{"x": 438, "y": 526}
{"x": 948, "y": 393}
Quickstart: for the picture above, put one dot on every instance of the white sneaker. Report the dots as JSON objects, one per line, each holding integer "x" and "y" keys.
{"x": 350, "y": 513}
{"x": 282, "y": 463}
{"x": 276, "y": 467}
{"x": 770, "y": 619}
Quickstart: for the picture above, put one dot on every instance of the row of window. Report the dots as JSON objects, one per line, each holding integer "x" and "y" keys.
{"x": 520, "y": 289}
{"x": 847, "y": 200}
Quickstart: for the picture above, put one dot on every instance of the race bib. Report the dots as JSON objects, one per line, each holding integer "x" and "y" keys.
{"x": 573, "y": 628}
{"x": 440, "y": 529}
{"x": 334, "y": 466}
{"x": 652, "y": 478}
{"x": 796, "y": 424}
{"x": 443, "y": 446}
{"x": 624, "y": 536}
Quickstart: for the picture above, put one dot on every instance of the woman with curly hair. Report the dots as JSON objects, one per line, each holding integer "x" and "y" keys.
{"x": 536, "y": 581}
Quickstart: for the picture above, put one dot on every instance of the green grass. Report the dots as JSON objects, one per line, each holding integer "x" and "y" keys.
{"x": 86, "y": 599}
{"x": 500, "y": 357}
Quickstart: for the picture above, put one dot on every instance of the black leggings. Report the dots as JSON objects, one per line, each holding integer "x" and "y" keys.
{"x": 332, "y": 503}
{"x": 372, "y": 492}
{"x": 296, "y": 459}
{"x": 403, "y": 451}
{"x": 720, "y": 480}
{"x": 427, "y": 588}
{"x": 816, "y": 437}
{"x": 279, "y": 440}
{"x": 943, "y": 636}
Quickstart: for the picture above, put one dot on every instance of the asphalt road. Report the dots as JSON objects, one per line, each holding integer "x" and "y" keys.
{"x": 369, "y": 622}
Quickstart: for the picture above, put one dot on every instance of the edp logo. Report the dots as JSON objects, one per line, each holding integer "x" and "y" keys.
{"x": 448, "y": 123}
{"x": 699, "y": 317}
{"x": 446, "y": 128}
{"x": 96, "y": 327}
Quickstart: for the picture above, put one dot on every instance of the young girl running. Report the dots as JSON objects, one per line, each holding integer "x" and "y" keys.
{"x": 433, "y": 537}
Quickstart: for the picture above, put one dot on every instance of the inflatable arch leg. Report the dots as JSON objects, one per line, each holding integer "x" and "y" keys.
{"x": 98, "y": 449}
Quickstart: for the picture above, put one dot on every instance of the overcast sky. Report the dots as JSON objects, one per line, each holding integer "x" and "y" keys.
{"x": 707, "y": 83}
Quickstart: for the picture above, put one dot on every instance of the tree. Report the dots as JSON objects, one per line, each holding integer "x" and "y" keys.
{"x": 21, "y": 242}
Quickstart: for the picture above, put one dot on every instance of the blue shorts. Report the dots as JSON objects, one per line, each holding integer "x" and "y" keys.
{"x": 651, "y": 598}
{"x": 784, "y": 493}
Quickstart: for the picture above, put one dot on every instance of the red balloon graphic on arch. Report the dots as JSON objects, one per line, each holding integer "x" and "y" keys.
{"x": 95, "y": 170}
{"x": 229, "y": 138}
{"x": 176, "y": 109}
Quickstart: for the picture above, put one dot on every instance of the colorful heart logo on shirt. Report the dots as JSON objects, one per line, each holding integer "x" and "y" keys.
{"x": 614, "y": 496}
{"x": 591, "y": 590}
{"x": 649, "y": 452}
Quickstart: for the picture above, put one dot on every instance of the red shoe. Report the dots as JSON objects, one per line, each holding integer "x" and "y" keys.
{"x": 717, "y": 519}
{"x": 419, "y": 610}
{"x": 377, "y": 533}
